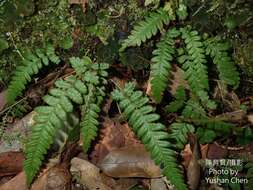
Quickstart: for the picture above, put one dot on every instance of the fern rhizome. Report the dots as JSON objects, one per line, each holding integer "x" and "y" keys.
{"x": 85, "y": 91}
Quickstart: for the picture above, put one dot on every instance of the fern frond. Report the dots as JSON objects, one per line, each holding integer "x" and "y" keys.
{"x": 95, "y": 78}
{"x": 226, "y": 67}
{"x": 90, "y": 111}
{"x": 179, "y": 102}
{"x": 161, "y": 66}
{"x": 144, "y": 30}
{"x": 48, "y": 121}
{"x": 89, "y": 125}
{"x": 151, "y": 133}
{"x": 60, "y": 101}
{"x": 31, "y": 64}
{"x": 179, "y": 133}
{"x": 194, "y": 66}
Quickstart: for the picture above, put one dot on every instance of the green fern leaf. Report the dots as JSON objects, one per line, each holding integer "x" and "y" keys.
{"x": 31, "y": 65}
{"x": 89, "y": 125}
{"x": 161, "y": 66}
{"x": 48, "y": 121}
{"x": 51, "y": 119}
{"x": 147, "y": 28}
{"x": 151, "y": 133}
{"x": 226, "y": 67}
{"x": 91, "y": 108}
{"x": 194, "y": 66}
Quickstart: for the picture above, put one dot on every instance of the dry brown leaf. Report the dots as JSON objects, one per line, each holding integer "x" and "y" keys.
{"x": 158, "y": 183}
{"x": 177, "y": 79}
{"x": 129, "y": 162}
{"x": 113, "y": 135}
{"x": 16, "y": 183}
{"x": 193, "y": 169}
{"x": 216, "y": 152}
{"x": 11, "y": 163}
{"x": 55, "y": 178}
{"x": 89, "y": 175}
{"x": 230, "y": 100}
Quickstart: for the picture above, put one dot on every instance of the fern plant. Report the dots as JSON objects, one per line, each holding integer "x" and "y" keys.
{"x": 145, "y": 124}
{"x": 60, "y": 105}
{"x": 30, "y": 65}
{"x": 193, "y": 55}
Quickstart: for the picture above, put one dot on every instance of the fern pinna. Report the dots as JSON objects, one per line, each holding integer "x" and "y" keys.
{"x": 146, "y": 29}
{"x": 192, "y": 56}
{"x": 194, "y": 65}
{"x": 226, "y": 67}
{"x": 145, "y": 124}
{"x": 161, "y": 63}
{"x": 31, "y": 64}
{"x": 60, "y": 105}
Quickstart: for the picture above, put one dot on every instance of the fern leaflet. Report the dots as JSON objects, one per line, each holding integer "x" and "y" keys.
{"x": 147, "y": 28}
{"x": 194, "y": 66}
{"x": 31, "y": 64}
{"x": 151, "y": 133}
{"x": 161, "y": 66}
{"x": 226, "y": 67}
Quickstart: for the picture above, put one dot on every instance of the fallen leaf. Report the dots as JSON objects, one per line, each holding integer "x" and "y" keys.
{"x": 193, "y": 170}
{"x": 89, "y": 175}
{"x": 177, "y": 80}
{"x": 216, "y": 152}
{"x": 16, "y": 183}
{"x": 11, "y": 163}
{"x": 113, "y": 135}
{"x": 129, "y": 162}
{"x": 158, "y": 183}
{"x": 230, "y": 100}
{"x": 55, "y": 178}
